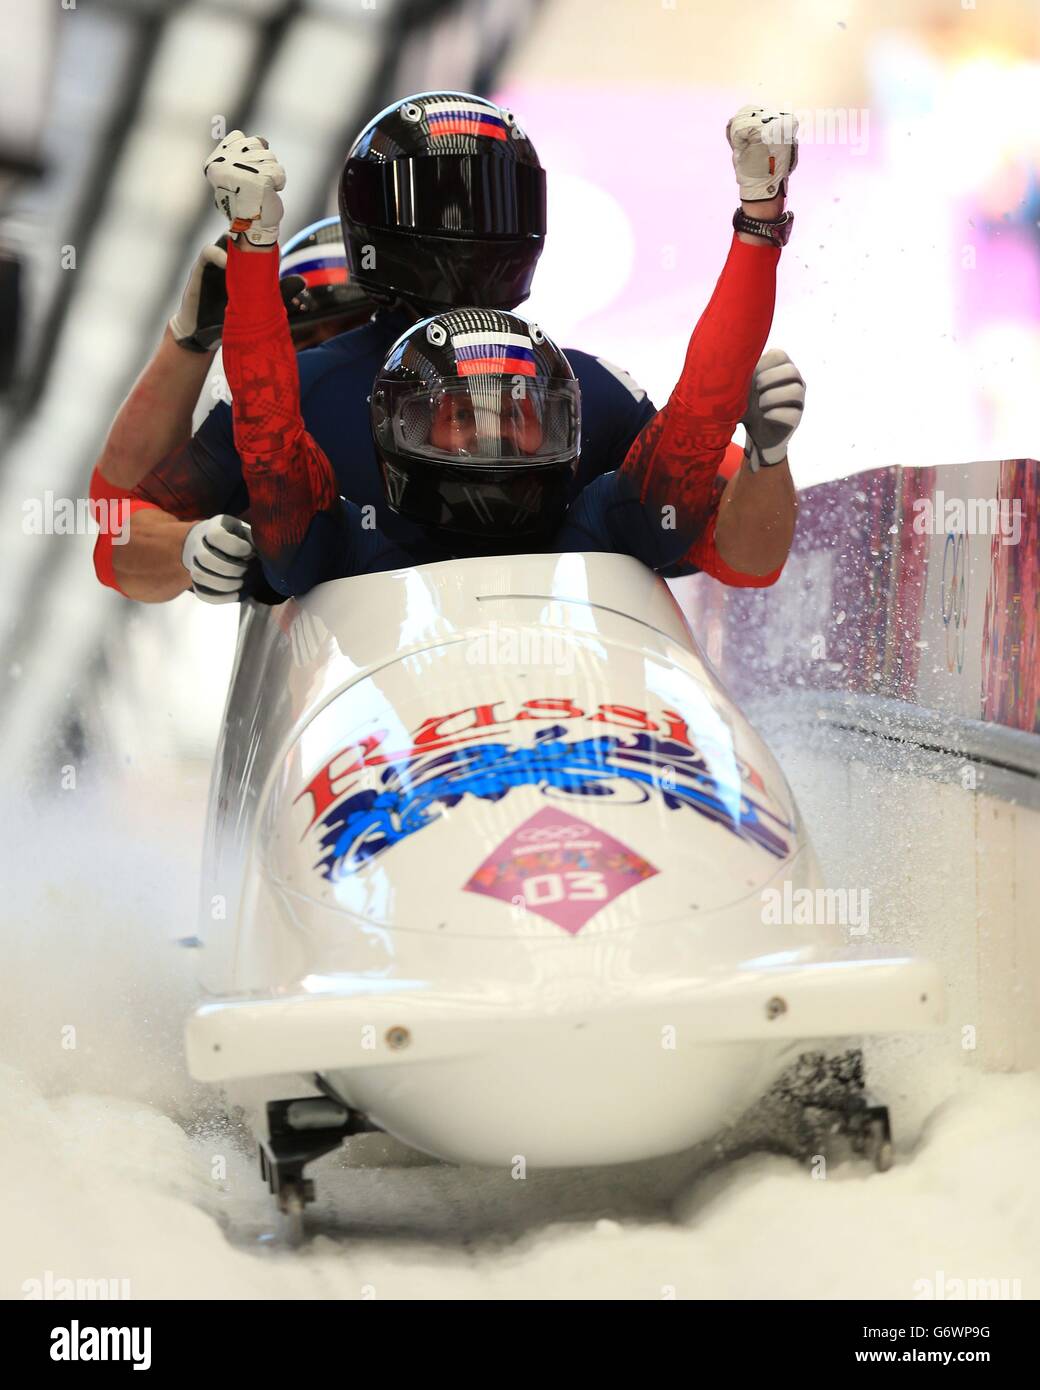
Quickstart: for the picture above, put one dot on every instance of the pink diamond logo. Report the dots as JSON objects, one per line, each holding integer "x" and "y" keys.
{"x": 560, "y": 867}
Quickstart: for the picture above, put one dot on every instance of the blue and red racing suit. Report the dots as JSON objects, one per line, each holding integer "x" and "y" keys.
{"x": 295, "y": 452}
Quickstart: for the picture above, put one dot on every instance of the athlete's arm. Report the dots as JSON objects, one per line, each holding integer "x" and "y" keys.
{"x": 200, "y": 478}
{"x": 156, "y": 416}
{"x": 148, "y": 565}
{"x": 748, "y": 535}
{"x": 745, "y": 543}
{"x": 672, "y": 467}
{"x": 752, "y": 530}
{"x": 290, "y": 481}
{"x": 303, "y": 530}
{"x": 150, "y": 445}
{"x": 150, "y": 460}
{"x": 167, "y": 480}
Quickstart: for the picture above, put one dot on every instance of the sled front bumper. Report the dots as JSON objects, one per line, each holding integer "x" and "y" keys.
{"x": 348, "y": 1023}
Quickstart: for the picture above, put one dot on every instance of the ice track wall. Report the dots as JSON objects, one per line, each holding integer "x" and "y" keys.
{"x": 896, "y": 669}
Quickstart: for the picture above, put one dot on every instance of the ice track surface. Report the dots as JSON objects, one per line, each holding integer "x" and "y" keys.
{"x": 116, "y": 1166}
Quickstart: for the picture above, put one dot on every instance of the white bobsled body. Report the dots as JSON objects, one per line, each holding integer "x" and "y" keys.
{"x": 493, "y": 854}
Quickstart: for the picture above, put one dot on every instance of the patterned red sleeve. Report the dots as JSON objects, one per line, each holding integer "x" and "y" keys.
{"x": 675, "y": 459}
{"x": 287, "y": 473}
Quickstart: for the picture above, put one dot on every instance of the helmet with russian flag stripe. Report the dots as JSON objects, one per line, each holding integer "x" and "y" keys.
{"x": 442, "y": 200}
{"x": 476, "y": 417}
{"x": 316, "y": 283}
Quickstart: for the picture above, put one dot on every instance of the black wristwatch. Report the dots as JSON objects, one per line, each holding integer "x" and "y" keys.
{"x": 778, "y": 231}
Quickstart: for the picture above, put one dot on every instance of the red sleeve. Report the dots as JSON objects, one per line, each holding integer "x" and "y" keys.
{"x": 112, "y": 507}
{"x": 675, "y": 459}
{"x": 101, "y": 490}
{"x": 288, "y": 475}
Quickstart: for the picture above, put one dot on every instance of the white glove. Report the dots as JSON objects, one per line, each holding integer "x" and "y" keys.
{"x": 197, "y": 323}
{"x": 246, "y": 179}
{"x": 216, "y": 554}
{"x": 764, "y": 141}
{"x": 774, "y": 411}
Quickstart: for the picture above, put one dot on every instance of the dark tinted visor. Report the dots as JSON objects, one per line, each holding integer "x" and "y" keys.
{"x": 447, "y": 194}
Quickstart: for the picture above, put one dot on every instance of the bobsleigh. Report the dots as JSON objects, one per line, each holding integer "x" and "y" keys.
{"x": 494, "y": 863}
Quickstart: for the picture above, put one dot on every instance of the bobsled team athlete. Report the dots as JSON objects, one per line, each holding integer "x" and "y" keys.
{"x": 470, "y": 229}
{"x": 321, "y": 299}
{"x": 442, "y": 202}
{"x": 476, "y": 419}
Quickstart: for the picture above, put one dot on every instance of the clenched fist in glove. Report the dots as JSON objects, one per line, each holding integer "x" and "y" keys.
{"x": 774, "y": 411}
{"x": 246, "y": 179}
{"x": 764, "y": 142}
{"x": 216, "y": 554}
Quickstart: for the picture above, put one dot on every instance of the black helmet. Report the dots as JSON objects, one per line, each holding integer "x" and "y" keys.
{"x": 316, "y": 284}
{"x": 443, "y": 203}
{"x": 476, "y": 417}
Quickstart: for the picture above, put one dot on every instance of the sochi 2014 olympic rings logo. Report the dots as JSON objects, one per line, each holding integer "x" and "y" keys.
{"x": 553, "y": 835}
{"x": 955, "y": 598}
